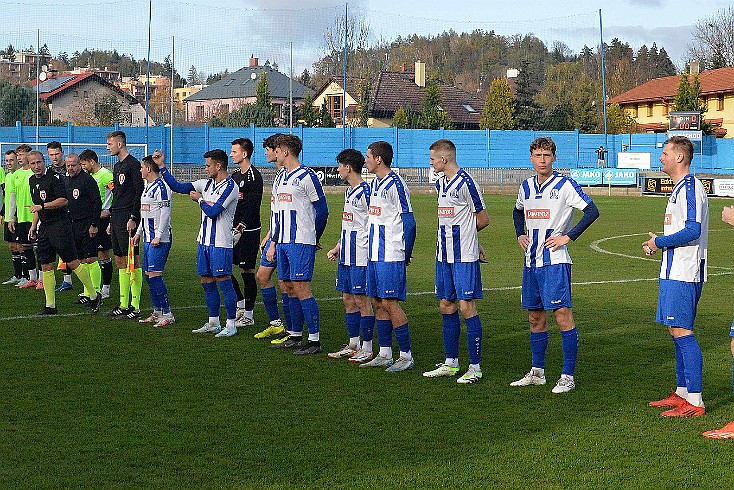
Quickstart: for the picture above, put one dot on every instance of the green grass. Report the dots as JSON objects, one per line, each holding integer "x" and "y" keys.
{"x": 90, "y": 402}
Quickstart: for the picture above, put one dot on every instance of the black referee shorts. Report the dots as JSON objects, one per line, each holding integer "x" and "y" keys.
{"x": 86, "y": 246}
{"x": 119, "y": 235}
{"x": 56, "y": 238}
{"x": 245, "y": 252}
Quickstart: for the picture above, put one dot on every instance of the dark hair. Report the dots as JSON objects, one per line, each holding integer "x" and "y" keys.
{"x": 54, "y": 145}
{"x": 217, "y": 156}
{"x": 11, "y": 152}
{"x": 351, "y": 157}
{"x": 152, "y": 166}
{"x": 443, "y": 145}
{"x": 24, "y": 148}
{"x": 382, "y": 149}
{"x": 682, "y": 144}
{"x": 87, "y": 155}
{"x": 543, "y": 143}
{"x": 246, "y": 145}
{"x": 290, "y": 141}
{"x": 118, "y": 135}
{"x": 269, "y": 142}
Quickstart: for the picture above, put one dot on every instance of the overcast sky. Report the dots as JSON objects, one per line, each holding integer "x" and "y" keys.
{"x": 224, "y": 36}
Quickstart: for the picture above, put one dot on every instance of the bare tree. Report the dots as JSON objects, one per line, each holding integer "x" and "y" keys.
{"x": 713, "y": 44}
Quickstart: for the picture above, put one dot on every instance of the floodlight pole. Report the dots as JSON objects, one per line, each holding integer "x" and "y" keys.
{"x": 603, "y": 85}
{"x": 290, "y": 94}
{"x": 38, "y": 83}
{"x": 173, "y": 88}
{"x": 147, "y": 76}
{"x": 344, "y": 87}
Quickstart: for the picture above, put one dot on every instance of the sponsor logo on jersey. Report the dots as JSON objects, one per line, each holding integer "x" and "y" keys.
{"x": 668, "y": 219}
{"x": 375, "y": 210}
{"x": 537, "y": 214}
{"x": 347, "y": 216}
{"x": 285, "y": 197}
{"x": 42, "y": 195}
{"x": 145, "y": 207}
{"x": 75, "y": 193}
{"x": 121, "y": 179}
{"x": 447, "y": 212}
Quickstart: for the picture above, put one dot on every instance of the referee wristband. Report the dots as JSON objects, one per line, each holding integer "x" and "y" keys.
{"x": 43, "y": 205}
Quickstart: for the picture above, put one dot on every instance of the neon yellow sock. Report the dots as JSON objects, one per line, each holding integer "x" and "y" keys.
{"x": 95, "y": 271}
{"x": 136, "y": 286}
{"x": 124, "y": 288}
{"x": 49, "y": 287}
{"x": 83, "y": 274}
{"x": 87, "y": 292}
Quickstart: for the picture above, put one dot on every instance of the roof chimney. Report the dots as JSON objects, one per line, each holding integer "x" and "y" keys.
{"x": 253, "y": 60}
{"x": 695, "y": 67}
{"x": 420, "y": 73}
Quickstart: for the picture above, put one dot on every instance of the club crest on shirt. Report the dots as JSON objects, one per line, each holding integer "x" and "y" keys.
{"x": 537, "y": 214}
{"x": 554, "y": 194}
{"x": 296, "y": 182}
{"x": 454, "y": 193}
{"x": 121, "y": 179}
{"x": 75, "y": 193}
{"x": 42, "y": 195}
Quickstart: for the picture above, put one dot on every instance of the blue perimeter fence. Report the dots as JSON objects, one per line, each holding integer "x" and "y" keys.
{"x": 497, "y": 149}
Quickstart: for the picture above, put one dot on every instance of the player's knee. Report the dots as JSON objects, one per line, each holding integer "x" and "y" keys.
{"x": 447, "y": 307}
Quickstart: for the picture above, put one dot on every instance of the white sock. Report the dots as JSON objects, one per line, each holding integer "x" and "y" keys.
{"x": 354, "y": 342}
{"x": 33, "y": 275}
{"x": 367, "y": 345}
{"x": 695, "y": 399}
{"x": 241, "y": 303}
{"x": 67, "y": 278}
{"x": 230, "y": 324}
{"x": 538, "y": 371}
{"x": 386, "y": 352}
{"x": 406, "y": 355}
{"x": 106, "y": 289}
{"x": 475, "y": 367}
{"x": 313, "y": 337}
{"x": 682, "y": 392}
{"x": 214, "y": 320}
{"x": 452, "y": 361}
{"x": 249, "y": 314}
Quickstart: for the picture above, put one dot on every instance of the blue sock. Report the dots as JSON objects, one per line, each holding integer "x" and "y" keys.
{"x": 538, "y": 345}
{"x": 270, "y": 299}
{"x": 230, "y": 298}
{"x": 211, "y": 296}
{"x": 367, "y": 325}
{"x": 352, "y": 320}
{"x": 402, "y": 335}
{"x": 732, "y": 374}
{"x": 311, "y": 314}
{"x": 384, "y": 333}
{"x": 287, "y": 311}
{"x": 692, "y": 362}
{"x": 158, "y": 288}
{"x": 680, "y": 376}
{"x": 451, "y": 333}
{"x": 474, "y": 339}
{"x": 570, "y": 347}
{"x": 153, "y": 292}
{"x": 296, "y": 309}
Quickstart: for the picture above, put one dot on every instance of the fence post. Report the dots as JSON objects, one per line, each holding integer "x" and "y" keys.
{"x": 487, "y": 137}
{"x": 205, "y": 129}
{"x": 19, "y": 127}
{"x": 69, "y": 133}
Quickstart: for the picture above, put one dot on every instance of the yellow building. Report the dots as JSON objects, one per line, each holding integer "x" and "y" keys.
{"x": 649, "y": 103}
{"x": 179, "y": 94}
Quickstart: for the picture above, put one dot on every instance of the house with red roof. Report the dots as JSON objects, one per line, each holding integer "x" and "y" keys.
{"x": 649, "y": 103}
{"x": 86, "y": 99}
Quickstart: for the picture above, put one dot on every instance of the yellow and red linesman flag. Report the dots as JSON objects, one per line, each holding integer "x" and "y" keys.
{"x": 131, "y": 259}
{"x": 62, "y": 264}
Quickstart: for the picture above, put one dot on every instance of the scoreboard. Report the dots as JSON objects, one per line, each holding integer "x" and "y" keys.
{"x": 687, "y": 121}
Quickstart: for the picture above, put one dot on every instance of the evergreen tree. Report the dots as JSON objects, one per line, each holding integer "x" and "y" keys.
{"x": 433, "y": 116}
{"x": 618, "y": 121}
{"x": 499, "y": 108}
{"x": 308, "y": 112}
{"x": 364, "y": 88}
{"x": 263, "y": 110}
{"x": 193, "y": 78}
{"x": 528, "y": 113}
{"x": 325, "y": 119}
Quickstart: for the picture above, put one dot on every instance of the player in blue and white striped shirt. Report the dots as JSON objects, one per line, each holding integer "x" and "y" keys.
{"x": 545, "y": 206}
{"x": 682, "y": 274}
{"x": 155, "y": 229}
{"x": 351, "y": 250}
{"x": 461, "y": 215}
{"x": 217, "y": 196}
{"x": 302, "y": 214}
{"x": 391, "y": 239}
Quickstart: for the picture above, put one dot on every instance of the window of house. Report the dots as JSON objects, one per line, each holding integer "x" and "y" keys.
{"x": 649, "y": 109}
{"x": 335, "y": 107}
{"x": 225, "y": 108}
{"x": 634, "y": 111}
{"x": 228, "y": 82}
{"x": 86, "y": 94}
{"x": 199, "y": 112}
{"x": 76, "y": 93}
{"x": 665, "y": 108}
{"x": 720, "y": 103}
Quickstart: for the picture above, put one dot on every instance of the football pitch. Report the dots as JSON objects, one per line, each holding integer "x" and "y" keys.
{"x": 99, "y": 403}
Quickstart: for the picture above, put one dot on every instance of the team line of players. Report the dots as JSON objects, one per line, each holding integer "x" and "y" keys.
{"x": 375, "y": 246}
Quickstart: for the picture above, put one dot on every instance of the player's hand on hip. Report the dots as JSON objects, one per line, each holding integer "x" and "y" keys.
{"x": 556, "y": 242}
{"x": 524, "y": 241}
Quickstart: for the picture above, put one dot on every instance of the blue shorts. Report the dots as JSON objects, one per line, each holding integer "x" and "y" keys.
{"x": 677, "y": 303}
{"x": 214, "y": 261}
{"x": 386, "y": 280}
{"x": 295, "y": 261}
{"x": 351, "y": 279}
{"x": 546, "y": 288}
{"x": 154, "y": 258}
{"x": 460, "y": 280}
{"x": 263, "y": 259}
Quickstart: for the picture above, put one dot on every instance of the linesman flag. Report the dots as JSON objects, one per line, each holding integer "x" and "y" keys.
{"x": 131, "y": 259}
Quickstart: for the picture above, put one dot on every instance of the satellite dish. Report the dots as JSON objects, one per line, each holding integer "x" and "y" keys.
{"x": 253, "y": 75}
{"x": 42, "y": 76}
{"x": 44, "y": 68}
